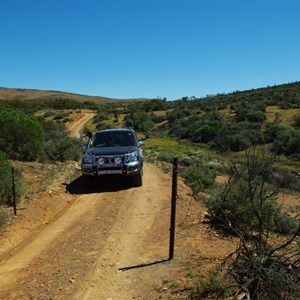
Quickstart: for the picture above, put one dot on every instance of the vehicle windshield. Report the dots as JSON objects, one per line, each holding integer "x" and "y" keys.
{"x": 113, "y": 139}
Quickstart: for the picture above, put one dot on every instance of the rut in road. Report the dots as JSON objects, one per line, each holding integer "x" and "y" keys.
{"x": 127, "y": 246}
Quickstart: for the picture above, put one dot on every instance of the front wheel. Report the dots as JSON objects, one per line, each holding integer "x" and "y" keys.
{"x": 137, "y": 180}
{"x": 86, "y": 181}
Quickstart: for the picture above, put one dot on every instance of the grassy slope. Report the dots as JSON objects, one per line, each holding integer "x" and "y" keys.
{"x": 28, "y": 94}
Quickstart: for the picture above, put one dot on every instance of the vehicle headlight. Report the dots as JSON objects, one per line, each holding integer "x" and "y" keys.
{"x": 87, "y": 159}
{"x": 101, "y": 161}
{"x": 118, "y": 160}
{"x": 132, "y": 156}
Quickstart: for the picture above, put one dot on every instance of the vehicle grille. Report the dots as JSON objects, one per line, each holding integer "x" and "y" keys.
{"x": 110, "y": 160}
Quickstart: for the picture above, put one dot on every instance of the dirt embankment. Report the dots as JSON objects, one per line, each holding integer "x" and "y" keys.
{"x": 106, "y": 242}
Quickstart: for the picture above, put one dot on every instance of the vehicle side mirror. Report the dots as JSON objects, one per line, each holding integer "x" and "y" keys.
{"x": 141, "y": 143}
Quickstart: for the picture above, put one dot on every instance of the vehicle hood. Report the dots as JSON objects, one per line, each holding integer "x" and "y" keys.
{"x": 110, "y": 150}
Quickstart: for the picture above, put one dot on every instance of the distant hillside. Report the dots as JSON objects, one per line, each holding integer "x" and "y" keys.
{"x": 32, "y": 94}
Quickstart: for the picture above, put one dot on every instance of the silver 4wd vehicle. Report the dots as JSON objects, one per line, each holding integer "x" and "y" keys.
{"x": 113, "y": 152}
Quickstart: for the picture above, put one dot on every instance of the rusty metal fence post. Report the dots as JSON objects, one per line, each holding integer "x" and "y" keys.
{"x": 173, "y": 208}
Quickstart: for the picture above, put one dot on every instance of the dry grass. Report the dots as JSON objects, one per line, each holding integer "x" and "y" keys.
{"x": 285, "y": 115}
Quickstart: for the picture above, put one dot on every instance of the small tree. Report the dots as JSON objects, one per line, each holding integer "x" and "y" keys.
{"x": 21, "y": 136}
{"x": 249, "y": 201}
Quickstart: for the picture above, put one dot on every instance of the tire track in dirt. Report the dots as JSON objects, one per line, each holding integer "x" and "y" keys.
{"x": 21, "y": 259}
{"x": 126, "y": 245}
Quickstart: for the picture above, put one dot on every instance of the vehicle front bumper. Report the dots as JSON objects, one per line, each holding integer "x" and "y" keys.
{"x": 128, "y": 169}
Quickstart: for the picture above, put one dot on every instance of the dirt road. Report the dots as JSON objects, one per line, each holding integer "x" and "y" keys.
{"x": 76, "y": 126}
{"x": 106, "y": 242}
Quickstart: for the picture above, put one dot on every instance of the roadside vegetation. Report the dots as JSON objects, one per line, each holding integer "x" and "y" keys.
{"x": 265, "y": 265}
{"x": 250, "y": 138}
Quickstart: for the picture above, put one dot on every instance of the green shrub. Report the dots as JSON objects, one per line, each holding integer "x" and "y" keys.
{"x": 198, "y": 175}
{"x": 256, "y": 116}
{"x": 139, "y": 121}
{"x": 261, "y": 267}
{"x": 285, "y": 179}
{"x": 49, "y": 114}
{"x": 284, "y": 223}
{"x": 21, "y": 136}
{"x": 158, "y": 119}
{"x": 103, "y": 125}
{"x": 165, "y": 156}
{"x": 297, "y": 121}
{"x": 247, "y": 202}
{"x": 60, "y": 116}
{"x": 62, "y": 147}
{"x": 238, "y": 136}
{"x": 59, "y": 145}
{"x": 6, "y": 189}
{"x": 285, "y": 140}
{"x": 86, "y": 129}
{"x": 5, "y": 178}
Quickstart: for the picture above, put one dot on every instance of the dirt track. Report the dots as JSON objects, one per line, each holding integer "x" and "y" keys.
{"x": 76, "y": 126}
{"x": 106, "y": 242}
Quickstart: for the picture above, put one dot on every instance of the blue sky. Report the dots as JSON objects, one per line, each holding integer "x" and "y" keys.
{"x": 149, "y": 48}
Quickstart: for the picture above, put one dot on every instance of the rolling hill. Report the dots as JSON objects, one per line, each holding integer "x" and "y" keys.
{"x": 33, "y": 94}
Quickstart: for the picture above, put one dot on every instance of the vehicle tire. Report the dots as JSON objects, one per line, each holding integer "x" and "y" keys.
{"x": 137, "y": 180}
{"x": 86, "y": 181}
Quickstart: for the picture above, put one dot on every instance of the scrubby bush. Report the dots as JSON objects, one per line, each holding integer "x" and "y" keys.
{"x": 264, "y": 270}
{"x": 5, "y": 177}
{"x": 261, "y": 267}
{"x": 139, "y": 121}
{"x": 6, "y": 189}
{"x": 297, "y": 121}
{"x": 49, "y": 114}
{"x": 101, "y": 116}
{"x": 165, "y": 156}
{"x": 237, "y": 137}
{"x": 59, "y": 145}
{"x": 21, "y": 136}
{"x": 59, "y": 116}
{"x": 103, "y": 125}
{"x": 248, "y": 202}
{"x": 158, "y": 119}
{"x": 285, "y": 140}
{"x": 198, "y": 175}
{"x": 285, "y": 179}
{"x": 256, "y": 116}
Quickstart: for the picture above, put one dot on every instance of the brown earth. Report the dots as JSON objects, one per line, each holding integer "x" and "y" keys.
{"x": 74, "y": 128}
{"x": 110, "y": 241}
